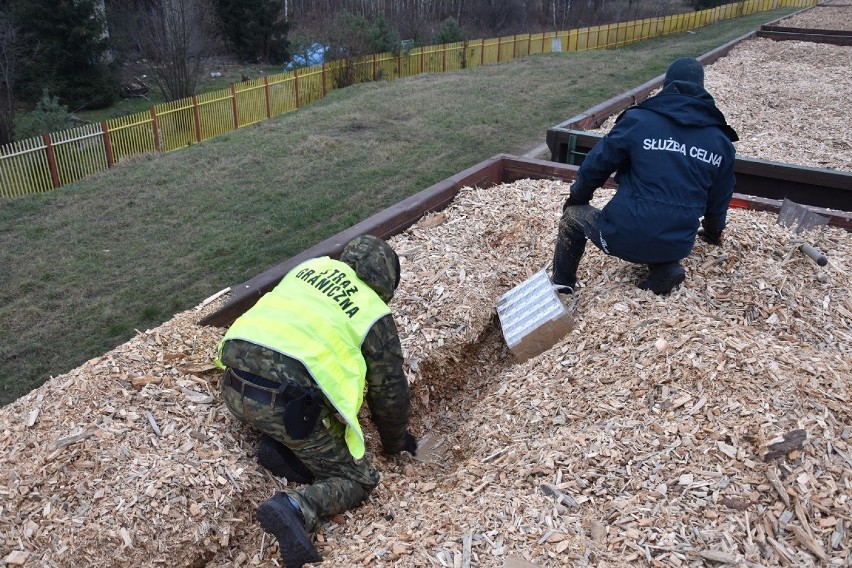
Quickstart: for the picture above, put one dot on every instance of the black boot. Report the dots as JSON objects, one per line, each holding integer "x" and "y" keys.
{"x": 662, "y": 278}
{"x": 282, "y": 462}
{"x": 278, "y": 516}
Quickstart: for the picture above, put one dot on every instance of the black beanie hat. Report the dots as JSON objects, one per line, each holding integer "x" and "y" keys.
{"x": 685, "y": 69}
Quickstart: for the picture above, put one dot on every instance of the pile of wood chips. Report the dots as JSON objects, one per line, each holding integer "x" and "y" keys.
{"x": 831, "y": 15}
{"x": 711, "y": 426}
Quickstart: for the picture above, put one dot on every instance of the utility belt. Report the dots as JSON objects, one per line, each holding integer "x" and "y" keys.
{"x": 302, "y": 405}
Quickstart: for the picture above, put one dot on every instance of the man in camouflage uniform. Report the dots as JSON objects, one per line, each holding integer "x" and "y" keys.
{"x": 292, "y": 365}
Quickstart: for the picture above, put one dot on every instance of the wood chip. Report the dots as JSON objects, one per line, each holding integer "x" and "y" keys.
{"x": 808, "y": 540}
{"x": 792, "y": 441}
{"x": 17, "y": 558}
{"x": 720, "y": 556}
{"x": 515, "y": 562}
{"x": 775, "y": 480}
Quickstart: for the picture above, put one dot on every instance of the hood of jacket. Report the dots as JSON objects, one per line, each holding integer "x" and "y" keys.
{"x": 688, "y": 104}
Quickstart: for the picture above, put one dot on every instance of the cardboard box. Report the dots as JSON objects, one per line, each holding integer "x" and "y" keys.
{"x": 533, "y": 317}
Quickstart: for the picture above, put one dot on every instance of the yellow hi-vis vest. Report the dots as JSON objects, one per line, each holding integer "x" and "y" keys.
{"x": 319, "y": 314}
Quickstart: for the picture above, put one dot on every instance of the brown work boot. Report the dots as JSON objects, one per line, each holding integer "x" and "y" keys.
{"x": 279, "y": 516}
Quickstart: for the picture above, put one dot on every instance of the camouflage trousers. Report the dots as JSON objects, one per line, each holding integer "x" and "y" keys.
{"x": 341, "y": 482}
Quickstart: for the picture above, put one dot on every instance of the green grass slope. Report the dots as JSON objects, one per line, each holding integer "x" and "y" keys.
{"x": 82, "y": 267}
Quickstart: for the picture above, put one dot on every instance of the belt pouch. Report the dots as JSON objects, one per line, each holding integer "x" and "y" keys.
{"x": 301, "y": 414}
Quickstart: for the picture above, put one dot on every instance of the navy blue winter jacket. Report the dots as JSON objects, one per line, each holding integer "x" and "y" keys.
{"x": 674, "y": 162}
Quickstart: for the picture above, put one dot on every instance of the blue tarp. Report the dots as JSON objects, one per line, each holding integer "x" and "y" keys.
{"x": 314, "y": 55}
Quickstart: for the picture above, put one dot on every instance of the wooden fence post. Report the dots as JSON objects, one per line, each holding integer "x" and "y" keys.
{"x": 51, "y": 160}
{"x": 444, "y": 58}
{"x": 268, "y": 101}
{"x": 375, "y": 70}
{"x": 482, "y": 53}
{"x": 197, "y": 117}
{"x": 296, "y": 83}
{"x": 107, "y": 144}
{"x": 421, "y": 59}
{"x": 323, "y": 79}
{"x": 155, "y": 129}
{"x": 234, "y": 107}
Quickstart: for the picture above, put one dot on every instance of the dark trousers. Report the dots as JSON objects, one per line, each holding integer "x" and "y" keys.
{"x": 579, "y": 224}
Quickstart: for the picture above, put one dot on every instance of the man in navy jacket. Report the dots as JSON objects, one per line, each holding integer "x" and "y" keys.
{"x": 673, "y": 160}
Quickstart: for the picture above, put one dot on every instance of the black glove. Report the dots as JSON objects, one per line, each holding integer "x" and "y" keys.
{"x": 409, "y": 444}
{"x": 712, "y": 237}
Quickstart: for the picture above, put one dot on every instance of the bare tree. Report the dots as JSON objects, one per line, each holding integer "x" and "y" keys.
{"x": 412, "y": 25}
{"x": 173, "y": 36}
{"x": 560, "y": 14}
{"x": 497, "y": 16}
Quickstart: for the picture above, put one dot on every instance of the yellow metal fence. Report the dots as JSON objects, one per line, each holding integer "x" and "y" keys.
{"x": 54, "y": 160}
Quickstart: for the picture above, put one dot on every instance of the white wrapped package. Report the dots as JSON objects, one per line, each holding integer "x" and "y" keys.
{"x": 533, "y": 317}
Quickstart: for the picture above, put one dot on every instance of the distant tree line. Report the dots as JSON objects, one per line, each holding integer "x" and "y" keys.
{"x": 69, "y": 54}
{"x": 416, "y": 19}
